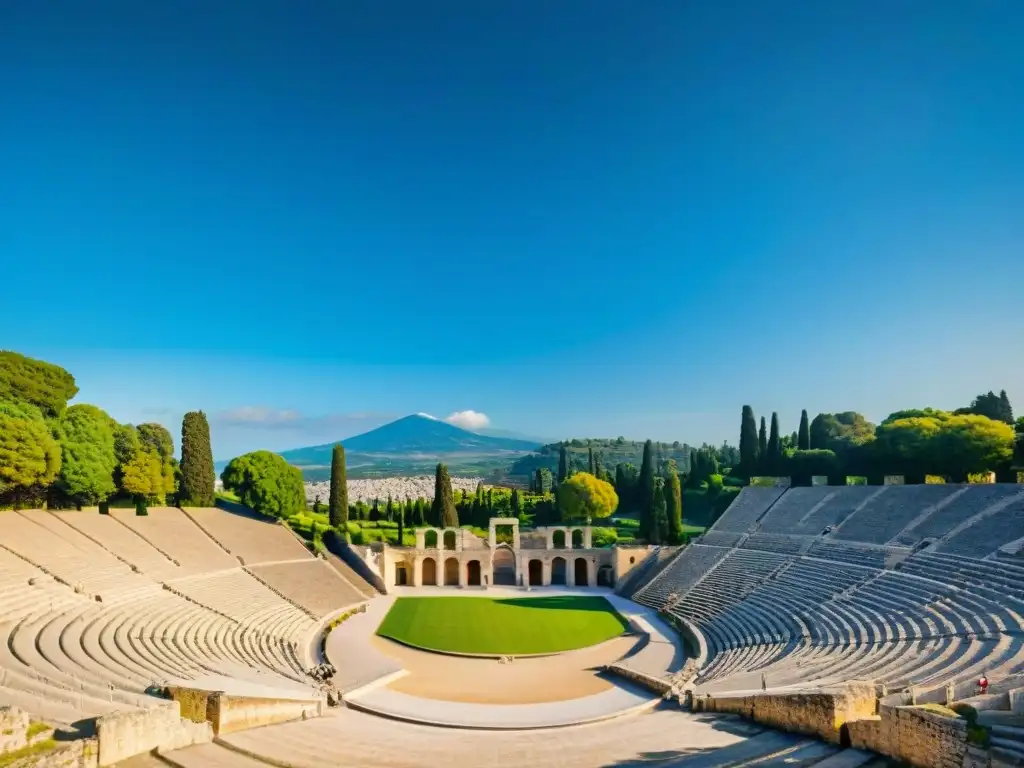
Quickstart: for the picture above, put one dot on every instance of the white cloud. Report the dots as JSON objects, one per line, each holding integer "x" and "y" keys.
{"x": 468, "y": 419}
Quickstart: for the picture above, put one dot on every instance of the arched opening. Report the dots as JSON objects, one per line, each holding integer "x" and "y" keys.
{"x": 580, "y": 572}
{"x": 558, "y": 539}
{"x": 401, "y": 575}
{"x": 577, "y": 539}
{"x": 473, "y": 573}
{"x": 449, "y": 540}
{"x": 430, "y": 539}
{"x": 451, "y": 572}
{"x": 429, "y": 572}
{"x": 536, "y": 573}
{"x": 605, "y": 577}
{"x": 558, "y": 571}
{"x": 504, "y": 565}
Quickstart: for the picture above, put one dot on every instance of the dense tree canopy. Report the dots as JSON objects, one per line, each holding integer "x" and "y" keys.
{"x": 158, "y": 439}
{"x": 266, "y": 483}
{"x": 585, "y": 497}
{"x": 46, "y": 386}
{"x": 88, "y": 458}
{"x": 30, "y": 456}
{"x": 995, "y": 407}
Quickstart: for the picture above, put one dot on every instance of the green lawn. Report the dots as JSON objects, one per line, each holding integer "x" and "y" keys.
{"x": 512, "y": 625}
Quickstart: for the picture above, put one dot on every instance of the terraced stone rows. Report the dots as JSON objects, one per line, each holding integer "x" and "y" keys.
{"x": 892, "y": 510}
{"x": 743, "y": 513}
{"x": 168, "y": 529}
{"x": 254, "y": 540}
{"x": 314, "y": 585}
{"x": 122, "y": 542}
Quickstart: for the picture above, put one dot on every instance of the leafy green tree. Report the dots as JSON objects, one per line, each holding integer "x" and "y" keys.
{"x": 803, "y": 442}
{"x": 673, "y": 492}
{"x": 44, "y": 385}
{"x": 197, "y": 473}
{"x": 585, "y": 497}
{"x": 929, "y": 441}
{"x": 88, "y": 459}
{"x": 645, "y": 492}
{"x": 142, "y": 476}
{"x": 30, "y": 457}
{"x": 762, "y": 446}
{"x": 267, "y": 483}
{"x": 157, "y": 438}
{"x": 442, "y": 510}
{"x": 773, "y": 462}
{"x": 337, "y": 502}
{"x": 748, "y": 444}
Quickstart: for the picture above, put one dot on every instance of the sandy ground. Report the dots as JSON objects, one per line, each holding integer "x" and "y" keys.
{"x": 486, "y": 681}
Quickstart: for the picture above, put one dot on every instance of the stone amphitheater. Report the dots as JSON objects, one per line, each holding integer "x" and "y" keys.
{"x": 827, "y": 626}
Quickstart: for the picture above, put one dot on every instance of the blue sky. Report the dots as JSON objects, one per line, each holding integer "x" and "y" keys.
{"x": 580, "y": 218}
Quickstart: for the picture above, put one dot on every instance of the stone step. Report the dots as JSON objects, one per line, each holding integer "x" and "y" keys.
{"x": 1008, "y": 732}
{"x": 848, "y": 758}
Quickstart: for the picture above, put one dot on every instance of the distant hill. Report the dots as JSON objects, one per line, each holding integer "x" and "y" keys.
{"x": 610, "y": 452}
{"x": 413, "y": 445}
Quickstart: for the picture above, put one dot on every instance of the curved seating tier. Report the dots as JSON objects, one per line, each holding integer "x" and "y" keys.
{"x": 93, "y": 611}
{"x": 252, "y": 539}
{"x": 800, "y": 608}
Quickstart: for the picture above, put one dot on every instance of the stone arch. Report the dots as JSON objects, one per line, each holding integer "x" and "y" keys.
{"x": 558, "y": 539}
{"x": 503, "y": 563}
{"x": 473, "y": 573}
{"x": 430, "y": 539}
{"x": 558, "y": 571}
{"x": 451, "y": 572}
{"x": 605, "y": 576}
{"x": 577, "y": 538}
{"x": 536, "y": 573}
{"x": 450, "y": 539}
{"x": 429, "y": 572}
{"x": 580, "y": 572}
{"x": 402, "y": 575}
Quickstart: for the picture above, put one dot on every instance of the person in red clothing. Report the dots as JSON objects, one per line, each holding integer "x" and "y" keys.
{"x": 983, "y": 684}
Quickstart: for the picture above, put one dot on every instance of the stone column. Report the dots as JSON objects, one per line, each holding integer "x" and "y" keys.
{"x": 588, "y": 537}
{"x": 420, "y": 538}
{"x": 492, "y": 537}
{"x": 592, "y": 573}
{"x": 417, "y": 571}
{"x": 568, "y": 544}
{"x": 545, "y": 573}
{"x": 463, "y": 573}
{"x": 515, "y": 537}
{"x": 570, "y": 572}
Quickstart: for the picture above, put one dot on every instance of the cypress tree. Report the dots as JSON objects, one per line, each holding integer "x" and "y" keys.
{"x": 337, "y": 503}
{"x": 389, "y": 510}
{"x": 516, "y": 506}
{"x": 400, "y": 511}
{"x": 773, "y": 464}
{"x": 590, "y": 461}
{"x": 803, "y": 441}
{"x": 1005, "y": 409}
{"x": 674, "y": 506}
{"x": 748, "y": 443}
{"x": 443, "y": 509}
{"x": 659, "y": 514}
{"x": 645, "y": 494}
{"x": 197, "y": 474}
{"x": 598, "y": 469}
{"x": 762, "y": 446}
{"x": 421, "y": 511}
{"x": 563, "y": 464}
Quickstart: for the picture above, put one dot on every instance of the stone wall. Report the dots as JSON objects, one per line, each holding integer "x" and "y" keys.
{"x": 821, "y": 712}
{"x": 226, "y": 713}
{"x": 81, "y": 753}
{"x": 621, "y": 564}
{"x": 125, "y": 734}
{"x": 656, "y": 684}
{"x": 913, "y": 734}
{"x": 238, "y": 713}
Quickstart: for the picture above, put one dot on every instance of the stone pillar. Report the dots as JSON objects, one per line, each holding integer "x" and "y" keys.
{"x": 420, "y": 538}
{"x": 592, "y": 572}
{"x": 568, "y": 544}
{"x": 492, "y": 537}
{"x": 570, "y": 571}
{"x": 463, "y": 573}
{"x": 458, "y": 539}
{"x": 417, "y": 570}
{"x": 588, "y": 537}
{"x": 515, "y": 537}
{"x": 545, "y": 573}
